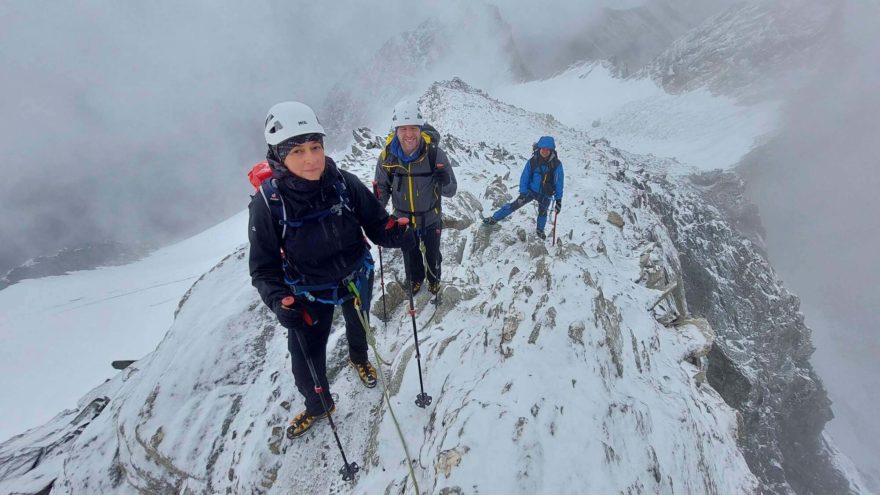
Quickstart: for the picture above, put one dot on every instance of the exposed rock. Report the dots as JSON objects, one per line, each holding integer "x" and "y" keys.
{"x": 760, "y": 361}
{"x": 615, "y": 219}
{"x": 395, "y": 295}
{"x": 448, "y": 460}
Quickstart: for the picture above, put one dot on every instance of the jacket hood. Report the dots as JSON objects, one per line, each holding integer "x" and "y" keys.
{"x": 546, "y": 142}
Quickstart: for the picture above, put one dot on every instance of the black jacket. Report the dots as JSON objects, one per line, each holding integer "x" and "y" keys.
{"x": 318, "y": 252}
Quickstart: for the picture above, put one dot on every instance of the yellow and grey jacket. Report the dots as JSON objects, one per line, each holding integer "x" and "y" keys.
{"x": 412, "y": 186}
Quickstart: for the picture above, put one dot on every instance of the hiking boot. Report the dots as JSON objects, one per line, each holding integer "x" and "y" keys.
{"x": 366, "y": 372}
{"x": 303, "y": 421}
{"x": 541, "y": 234}
{"x": 416, "y": 287}
{"x": 490, "y": 221}
{"x": 434, "y": 286}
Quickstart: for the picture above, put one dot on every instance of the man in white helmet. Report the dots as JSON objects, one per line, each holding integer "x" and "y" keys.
{"x": 308, "y": 254}
{"x": 414, "y": 173}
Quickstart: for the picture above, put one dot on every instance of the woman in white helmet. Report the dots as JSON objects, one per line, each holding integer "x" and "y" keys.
{"x": 308, "y": 253}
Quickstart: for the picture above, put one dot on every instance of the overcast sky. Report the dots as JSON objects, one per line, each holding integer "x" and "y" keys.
{"x": 137, "y": 120}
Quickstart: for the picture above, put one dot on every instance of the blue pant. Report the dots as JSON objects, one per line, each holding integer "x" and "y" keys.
{"x": 522, "y": 200}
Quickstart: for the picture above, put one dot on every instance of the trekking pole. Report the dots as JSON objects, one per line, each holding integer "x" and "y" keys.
{"x": 371, "y": 339}
{"x": 382, "y": 280}
{"x": 349, "y": 469}
{"x": 555, "y": 216}
{"x": 422, "y": 399}
{"x": 381, "y": 270}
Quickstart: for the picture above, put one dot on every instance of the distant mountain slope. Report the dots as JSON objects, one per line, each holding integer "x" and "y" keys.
{"x": 550, "y": 371}
{"x": 754, "y": 50}
{"x": 629, "y": 38}
{"x": 410, "y": 61}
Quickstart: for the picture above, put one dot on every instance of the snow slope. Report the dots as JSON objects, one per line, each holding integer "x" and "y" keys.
{"x": 61, "y": 333}
{"x": 548, "y": 372}
{"x": 697, "y": 128}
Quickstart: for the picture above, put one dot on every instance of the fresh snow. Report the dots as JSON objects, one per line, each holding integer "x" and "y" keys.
{"x": 61, "y": 333}
{"x": 697, "y": 128}
{"x": 548, "y": 372}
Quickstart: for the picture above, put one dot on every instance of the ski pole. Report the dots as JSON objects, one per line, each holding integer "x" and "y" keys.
{"x": 349, "y": 469}
{"x": 422, "y": 399}
{"x": 381, "y": 270}
{"x": 555, "y": 216}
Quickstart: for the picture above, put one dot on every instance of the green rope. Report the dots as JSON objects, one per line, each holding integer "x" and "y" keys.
{"x": 424, "y": 250}
{"x": 371, "y": 339}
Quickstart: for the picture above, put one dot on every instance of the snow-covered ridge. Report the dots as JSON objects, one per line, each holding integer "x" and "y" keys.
{"x": 549, "y": 372}
{"x": 410, "y": 61}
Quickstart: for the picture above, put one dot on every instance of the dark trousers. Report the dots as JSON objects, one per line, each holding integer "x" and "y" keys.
{"x": 522, "y": 200}
{"x": 314, "y": 347}
{"x": 413, "y": 262}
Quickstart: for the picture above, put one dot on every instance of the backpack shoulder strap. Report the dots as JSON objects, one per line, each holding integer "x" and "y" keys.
{"x": 272, "y": 198}
{"x": 432, "y": 156}
{"x": 384, "y": 153}
{"x": 554, "y": 164}
{"x": 397, "y": 169}
{"x": 344, "y": 196}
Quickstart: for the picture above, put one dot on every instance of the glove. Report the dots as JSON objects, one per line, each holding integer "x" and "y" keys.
{"x": 441, "y": 175}
{"x": 558, "y": 206}
{"x": 399, "y": 234}
{"x": 291, "y": 312}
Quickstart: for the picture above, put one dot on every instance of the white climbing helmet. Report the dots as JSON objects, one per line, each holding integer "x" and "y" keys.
{"x": 288, "y": 119}
{"x": 407, "y": 113}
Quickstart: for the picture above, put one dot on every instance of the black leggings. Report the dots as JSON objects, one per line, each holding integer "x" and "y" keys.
{"x": 314, "y": 340}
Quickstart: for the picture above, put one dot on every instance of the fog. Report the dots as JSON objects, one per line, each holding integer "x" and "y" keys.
{"x": 816, "y": 185}
{"x": 136, "y": 121}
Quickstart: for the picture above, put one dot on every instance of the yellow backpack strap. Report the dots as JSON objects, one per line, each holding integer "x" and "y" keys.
{"x": 388, "y": 140}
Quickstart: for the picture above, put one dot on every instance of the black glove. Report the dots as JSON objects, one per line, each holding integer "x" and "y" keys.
{"x": 558, "y": 206}
{"x": 291, "y": 312}
{"x": 399, "y": 234}
{"x": 441, "y": 175}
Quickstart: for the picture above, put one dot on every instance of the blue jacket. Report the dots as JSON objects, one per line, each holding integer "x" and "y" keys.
{"x": 533, "y": 178}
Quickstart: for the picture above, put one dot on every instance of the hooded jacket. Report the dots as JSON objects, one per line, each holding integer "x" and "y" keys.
{"x": 319, "y": 252}
{"x": 410, "y": 185}
{"x": 543, "y": 177}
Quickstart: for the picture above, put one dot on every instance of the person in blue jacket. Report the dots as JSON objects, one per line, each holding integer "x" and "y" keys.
{"x": 541, "y": 180}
